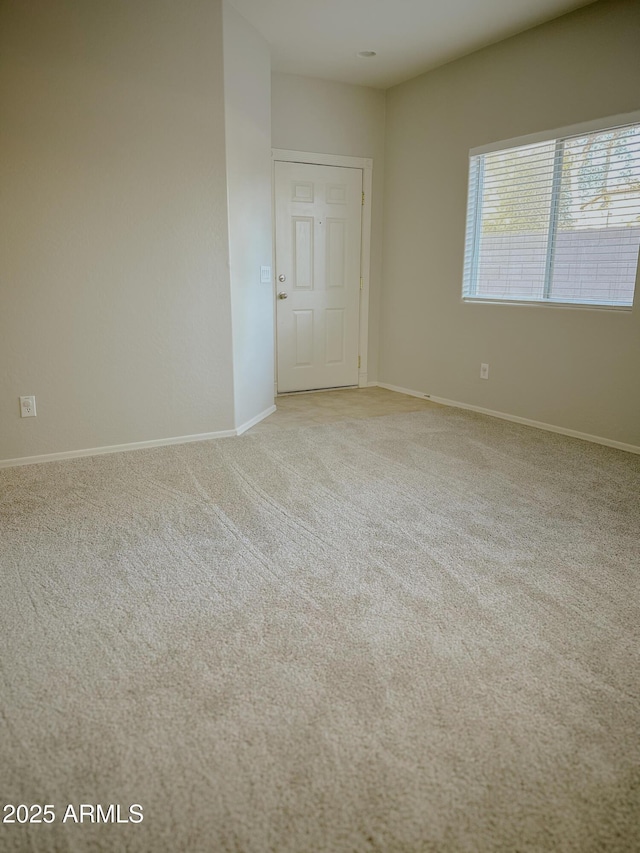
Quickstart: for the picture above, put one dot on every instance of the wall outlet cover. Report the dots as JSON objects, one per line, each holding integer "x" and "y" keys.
{"x": 27, "y": 407}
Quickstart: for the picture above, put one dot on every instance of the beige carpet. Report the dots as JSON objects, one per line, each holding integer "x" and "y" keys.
{"x": 407, "y": 633}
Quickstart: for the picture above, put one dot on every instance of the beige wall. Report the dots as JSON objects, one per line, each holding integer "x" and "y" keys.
{"x": 247, "y": 84}
{"x": 574, "y": 368}
{"x": 323, "y": 117}
{"x": 116, "y": 302}
{"x": 114, "y": 280}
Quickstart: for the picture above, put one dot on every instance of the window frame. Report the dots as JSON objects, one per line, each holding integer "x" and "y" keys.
{"x": 474, "y": 188}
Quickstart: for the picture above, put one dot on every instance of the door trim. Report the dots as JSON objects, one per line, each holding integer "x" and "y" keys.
{"x": 366, "y": 166}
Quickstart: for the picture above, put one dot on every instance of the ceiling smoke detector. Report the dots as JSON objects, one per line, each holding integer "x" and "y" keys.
{"x": 366, "y": 54}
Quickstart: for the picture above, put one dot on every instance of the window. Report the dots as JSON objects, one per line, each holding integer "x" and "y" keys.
{"x": 555, "y": 220}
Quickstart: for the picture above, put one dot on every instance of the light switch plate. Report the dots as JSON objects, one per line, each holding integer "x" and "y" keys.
{"x": 265, "y": 275}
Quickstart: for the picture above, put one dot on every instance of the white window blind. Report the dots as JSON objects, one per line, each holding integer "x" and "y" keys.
{"x": 556, "y": 221}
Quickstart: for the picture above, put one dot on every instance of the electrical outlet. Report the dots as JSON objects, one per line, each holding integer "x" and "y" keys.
{"x": 27, "y": 407}
{"x": 484, "y": 371}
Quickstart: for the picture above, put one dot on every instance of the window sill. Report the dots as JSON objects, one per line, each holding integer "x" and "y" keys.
{"x": 599, "y": 306}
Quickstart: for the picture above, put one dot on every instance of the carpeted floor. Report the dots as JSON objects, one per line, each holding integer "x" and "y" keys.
{"x": 417, "y": 632}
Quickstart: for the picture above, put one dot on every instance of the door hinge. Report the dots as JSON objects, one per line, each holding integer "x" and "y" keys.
{"x": 361, "y": 284}
{"x": 363, "y": 199}
{"x": 358, "y": 362}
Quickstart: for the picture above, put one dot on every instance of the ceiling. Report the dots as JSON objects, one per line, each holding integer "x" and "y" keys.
{"x": 320, "y": 38}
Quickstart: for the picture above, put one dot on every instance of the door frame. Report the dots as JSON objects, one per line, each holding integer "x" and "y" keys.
{"x": 365, "y": 165}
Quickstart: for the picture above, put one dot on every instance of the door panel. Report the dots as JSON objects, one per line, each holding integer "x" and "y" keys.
{"x": 318, "y": 233}
{"x": 302, "y": 248}
{"x": 335, "y": 330}
{"x": 336, "y": 252}
{"x": 303, "y": 330}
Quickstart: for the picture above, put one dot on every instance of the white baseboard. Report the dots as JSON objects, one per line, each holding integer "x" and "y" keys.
{"x": 136, "y": 445}
{"x": 239, "y": 430}
{"x": 207, "y": 436}
{"x": 401, "y": 390}
{"x": 572, "y": 433}
{"x": 113, "y": 448}
{"x": 317, "y": 391}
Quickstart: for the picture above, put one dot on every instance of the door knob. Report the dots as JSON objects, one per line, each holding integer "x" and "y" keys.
{"x": 282, "y": 277}
{"x": 282, "y": 295}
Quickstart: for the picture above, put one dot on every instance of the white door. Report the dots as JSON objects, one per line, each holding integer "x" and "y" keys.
{"x": 318, "y": 234}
